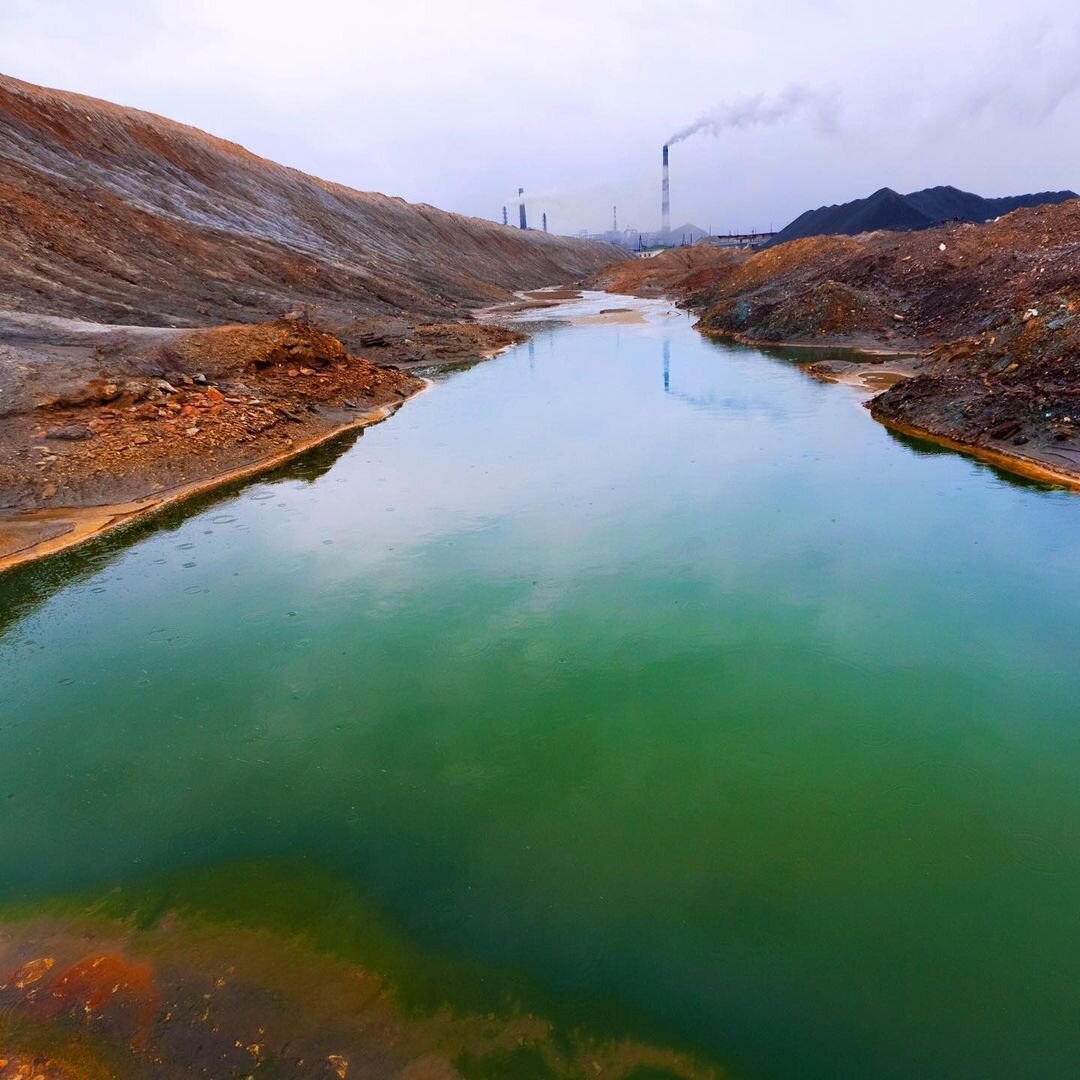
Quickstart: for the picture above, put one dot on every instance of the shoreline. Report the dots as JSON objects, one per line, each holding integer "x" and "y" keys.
{"x": 865, "y": 350}
{"x": 90, "y": 522}
{"x": 1021, "y": 464}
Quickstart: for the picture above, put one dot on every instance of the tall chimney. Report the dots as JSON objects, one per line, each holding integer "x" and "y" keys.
{"x": 665, "y": 204}
{"x": 504, "y": 215}
{"x": 521, "y": 209}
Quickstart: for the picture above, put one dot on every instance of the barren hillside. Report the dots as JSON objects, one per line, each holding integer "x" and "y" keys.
{"x": 118, "y": 216}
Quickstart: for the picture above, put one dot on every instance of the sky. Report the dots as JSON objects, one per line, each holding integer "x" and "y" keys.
{"x": 459, "y": 104}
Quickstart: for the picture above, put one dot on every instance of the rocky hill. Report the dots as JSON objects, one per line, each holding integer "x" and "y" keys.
{"x": 888, "y": 209}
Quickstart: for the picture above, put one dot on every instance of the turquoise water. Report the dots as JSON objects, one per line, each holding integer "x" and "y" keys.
{"x": 646, "y": 667}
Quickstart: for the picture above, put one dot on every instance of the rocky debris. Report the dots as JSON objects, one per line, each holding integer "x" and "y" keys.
{"x": 80, "y": 448}
{"x": 176, "y": 997}
{"x": 1014, "y": 388}
{"x": 140, "y": 262}
{"x": 18, "y": 1066}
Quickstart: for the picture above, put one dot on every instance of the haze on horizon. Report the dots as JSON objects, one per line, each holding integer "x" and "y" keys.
{"x": 458, "y": 107}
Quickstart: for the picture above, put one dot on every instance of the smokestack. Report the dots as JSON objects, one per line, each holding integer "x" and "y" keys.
{"x": 521, "y": 209}
{"x": 665, "y": 203}
{"x": 504, "y": 216}
{"x": 545, "y": 222}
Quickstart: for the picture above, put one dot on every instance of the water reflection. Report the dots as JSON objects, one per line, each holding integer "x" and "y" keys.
{"x": 930, "y": 449}
{"x": 25, "y": 587}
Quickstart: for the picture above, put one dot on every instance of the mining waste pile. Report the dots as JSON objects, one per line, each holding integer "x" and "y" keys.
{"x": 888, "y": 209}
{"x": 174, "y": 308}
{"x": 119, "y": 216}
{"x": 993, "y": 308}
{"x": 679, "y": 272}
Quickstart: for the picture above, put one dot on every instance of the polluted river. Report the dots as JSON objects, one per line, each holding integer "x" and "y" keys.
{"x": 628, "y": 706}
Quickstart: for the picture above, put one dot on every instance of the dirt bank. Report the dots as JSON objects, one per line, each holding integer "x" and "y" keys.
{"x": 1011, "y": 392}
{"x": 993, "y": 310}
{"x": 680, "y": 272}
{"x": 100, "y": 425}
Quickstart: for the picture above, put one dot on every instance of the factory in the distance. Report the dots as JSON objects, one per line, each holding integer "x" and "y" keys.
{"x": 523, "y": 221}
{"x": 665, "y": 236}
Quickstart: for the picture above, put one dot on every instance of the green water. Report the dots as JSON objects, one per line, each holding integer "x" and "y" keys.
{"x": 645, "y": 668}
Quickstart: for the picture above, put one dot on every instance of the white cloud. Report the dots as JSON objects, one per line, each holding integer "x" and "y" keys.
{"x": 458, "y": 104}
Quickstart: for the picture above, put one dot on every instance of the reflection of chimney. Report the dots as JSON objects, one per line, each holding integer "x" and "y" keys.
{"x": 521, "y": 208}
{"x": 665, "y": 204}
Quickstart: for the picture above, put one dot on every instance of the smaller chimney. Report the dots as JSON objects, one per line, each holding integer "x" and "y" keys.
{"x": 522, "y": 224}
{"x": 505, "y": 220}
{"x": 545, "y": 220}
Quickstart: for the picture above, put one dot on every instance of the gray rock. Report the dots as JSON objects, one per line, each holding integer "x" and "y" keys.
{"x": 70, "y": 433}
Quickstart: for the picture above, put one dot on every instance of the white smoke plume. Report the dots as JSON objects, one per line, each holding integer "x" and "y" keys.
{"x": 760, "y": 110}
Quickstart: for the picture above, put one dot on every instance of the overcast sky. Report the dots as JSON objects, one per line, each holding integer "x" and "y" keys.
{"x": 457, "y": 104}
